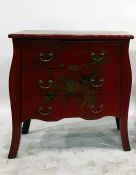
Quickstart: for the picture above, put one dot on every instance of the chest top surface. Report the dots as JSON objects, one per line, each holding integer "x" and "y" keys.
{"x": 64, "y": 34}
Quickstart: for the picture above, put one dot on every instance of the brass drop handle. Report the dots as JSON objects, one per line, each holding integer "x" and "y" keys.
{"x": 93, "y": 109}
{"x": 49, "y": 112}
{"x": 46, "y": 58}
{"x": 97, "y": 59}
{"x": 41, "y": 84}
{"x": 96, "y": 83}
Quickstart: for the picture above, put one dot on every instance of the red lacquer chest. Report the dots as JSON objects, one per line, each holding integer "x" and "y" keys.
{"x": 59, "y": 74}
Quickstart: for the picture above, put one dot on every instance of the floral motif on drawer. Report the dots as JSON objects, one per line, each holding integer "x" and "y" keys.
{"x": 69, "y": 81}
{"x": 74, "y": 106}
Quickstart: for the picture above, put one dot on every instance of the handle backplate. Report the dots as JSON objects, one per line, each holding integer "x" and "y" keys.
{"x": 97, "y": 110}
{"x": 46, "y": 58}
{"x": 43, "y": 113}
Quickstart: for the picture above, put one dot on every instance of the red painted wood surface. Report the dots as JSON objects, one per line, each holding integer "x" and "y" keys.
{"x": 68, "y": 107}
{"x": 61, "y": 34}
{"x": 15, "y": 99}
{"x": 126, "y": 81}
{"x": 31, "y": 79}
{"x": 59, "y": 52}
{"x": 69, "y": 53}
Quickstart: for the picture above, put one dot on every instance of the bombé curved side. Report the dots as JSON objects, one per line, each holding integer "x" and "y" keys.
{"x": 15, "y": 100}
{"x": 126, "y": 81}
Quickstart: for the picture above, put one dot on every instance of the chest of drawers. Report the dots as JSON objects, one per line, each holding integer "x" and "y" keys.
{"x": 59, "y": 74}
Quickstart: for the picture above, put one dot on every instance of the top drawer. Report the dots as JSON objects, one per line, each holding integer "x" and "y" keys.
{"x": 63, "y": 54}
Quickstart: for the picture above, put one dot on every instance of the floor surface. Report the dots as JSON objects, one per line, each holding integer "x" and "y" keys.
{"x": 68, "y": 147}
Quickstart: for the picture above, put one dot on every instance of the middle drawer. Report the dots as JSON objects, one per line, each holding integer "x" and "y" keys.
{"x": 70, "y": 81}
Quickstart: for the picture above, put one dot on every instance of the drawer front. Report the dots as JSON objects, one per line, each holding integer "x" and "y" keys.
{"x": 74, "y": 106}
{"x": 64, "y": 54}
{"x": 66, "y": 81}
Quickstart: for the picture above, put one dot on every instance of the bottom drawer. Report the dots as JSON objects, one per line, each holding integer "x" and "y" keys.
{"x": 53, "y": 108}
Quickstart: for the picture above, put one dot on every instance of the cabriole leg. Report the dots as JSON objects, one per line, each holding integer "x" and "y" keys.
{"x": 124, "y": 134}
{"x": 118, "y": 123}
{"x": 16, "y": 133}
{"x": 26, "y": 126}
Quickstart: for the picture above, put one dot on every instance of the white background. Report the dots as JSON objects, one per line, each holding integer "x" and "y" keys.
{"x": 16, "y": 15}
